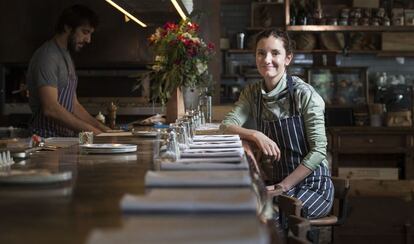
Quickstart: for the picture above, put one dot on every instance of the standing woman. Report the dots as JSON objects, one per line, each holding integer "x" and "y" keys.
{"x": 290, "y": 127}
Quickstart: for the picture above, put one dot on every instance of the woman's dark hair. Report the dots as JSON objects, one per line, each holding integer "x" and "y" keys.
{"x": 280, "y": 34}
{"x": 76, "y": 16}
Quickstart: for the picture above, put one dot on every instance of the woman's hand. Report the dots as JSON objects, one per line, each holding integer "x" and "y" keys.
{"x": 266, "y": 145}
{"x": 248, "y": 150}
{"x": 274, "y": 190}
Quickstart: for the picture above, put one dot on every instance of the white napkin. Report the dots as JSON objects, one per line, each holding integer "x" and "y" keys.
{"x": 226, "y": 160}
{"x": 233, "y": 178}
{"x": 209, "y": 126}
{"x": 196, "y": 165}
{"x": 216, "y": 144}
{"x": 192, "y": 200}
{"x": 216, "y": 138}
{"x": 184, "y": 229}
{"x": 212, "y": 152}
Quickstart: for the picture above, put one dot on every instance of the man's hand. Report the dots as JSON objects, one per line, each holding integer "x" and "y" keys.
{"x": 266, "y": 145}
{"x": 51, "y": 108}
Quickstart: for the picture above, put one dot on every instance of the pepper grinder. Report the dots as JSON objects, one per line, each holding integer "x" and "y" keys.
{"x": 112, "y": 115}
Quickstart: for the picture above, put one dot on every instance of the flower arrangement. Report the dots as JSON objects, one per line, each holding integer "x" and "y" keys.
{"x": 181, "y": 59}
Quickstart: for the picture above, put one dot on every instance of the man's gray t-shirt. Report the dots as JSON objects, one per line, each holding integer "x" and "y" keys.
{"x": 47, "y": 67}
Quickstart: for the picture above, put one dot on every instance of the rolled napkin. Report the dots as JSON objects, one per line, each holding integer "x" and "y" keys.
{"x": 230, "y": 178}
{"x": 216, "y": 144}
{"x": 184, "y": 229}
{"x": 212, "y": 152}
{"x": 35, "y": 176}
{"x": 216, "y": 138}
{"x": 206, "y": 200}
{"x": 197, "y": 165}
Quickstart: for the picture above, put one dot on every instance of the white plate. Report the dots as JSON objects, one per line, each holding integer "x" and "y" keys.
{"x": 145, "y": 133}
{"x": 108, "y": 148}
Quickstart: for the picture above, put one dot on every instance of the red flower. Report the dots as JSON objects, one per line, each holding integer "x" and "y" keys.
{"x": 188, "y": 42}
{"x": 169, "y": 26}
{"x": 210, "y": 46}
{"x": 192, "y": 26}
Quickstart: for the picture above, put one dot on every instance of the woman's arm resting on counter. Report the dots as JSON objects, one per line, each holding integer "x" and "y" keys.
{"x": 264, "y": 143}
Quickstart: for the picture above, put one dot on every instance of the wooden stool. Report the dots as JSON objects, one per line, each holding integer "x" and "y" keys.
{"x": 288, "y": 206}
{"x": 298, "y": 229}
{"x": 339, "y": 209}
{"x": 293, "y": 206}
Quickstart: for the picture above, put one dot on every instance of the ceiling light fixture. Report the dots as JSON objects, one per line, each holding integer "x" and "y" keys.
{"x": 130, "y": 16}
{"x": 179, "y": 9}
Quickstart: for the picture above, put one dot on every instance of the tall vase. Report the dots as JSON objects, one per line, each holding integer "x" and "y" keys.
{"x": 191, "y": 97}
{"x": 175, "y": 106}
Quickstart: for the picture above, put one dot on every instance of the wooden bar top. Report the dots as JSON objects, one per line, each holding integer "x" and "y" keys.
{"x": 66, "y": 213}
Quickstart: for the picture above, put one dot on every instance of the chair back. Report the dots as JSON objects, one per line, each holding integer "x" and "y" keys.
{"x": 288, "y": 206}
{"x": 340, "y": 207}
{"x": 297, "y": 240}
{"x": 298, "y": 226}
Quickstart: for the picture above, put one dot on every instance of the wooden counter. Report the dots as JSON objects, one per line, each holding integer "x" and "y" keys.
{"x": 67, "y": 213}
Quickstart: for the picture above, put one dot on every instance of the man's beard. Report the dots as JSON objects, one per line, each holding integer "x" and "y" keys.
{"x": 72, "y": 43}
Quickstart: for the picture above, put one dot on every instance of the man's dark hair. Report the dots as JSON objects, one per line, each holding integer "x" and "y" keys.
{"x": 76, "y": 16}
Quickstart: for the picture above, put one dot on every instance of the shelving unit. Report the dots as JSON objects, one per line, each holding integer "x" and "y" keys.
{"x": 263, "y": 14}
{"x": 335, "y": 28}
{"x": 318, "y": 32}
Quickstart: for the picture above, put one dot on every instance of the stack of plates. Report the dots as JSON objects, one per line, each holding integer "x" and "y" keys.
{"x": 108, "y": 148}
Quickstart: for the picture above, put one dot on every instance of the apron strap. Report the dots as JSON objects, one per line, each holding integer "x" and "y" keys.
{"x": 291, "y": 94}
{"x": 259, "y": 110}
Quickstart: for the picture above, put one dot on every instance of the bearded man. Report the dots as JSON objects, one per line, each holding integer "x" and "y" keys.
{"x": 52, "y": 79}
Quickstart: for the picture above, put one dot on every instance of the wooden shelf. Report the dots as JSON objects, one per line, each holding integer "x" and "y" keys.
{"x": 320, "y": 28}
{"x": 379, "y": 53}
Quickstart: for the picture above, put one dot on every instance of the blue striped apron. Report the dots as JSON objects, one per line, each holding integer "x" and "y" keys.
{"x": 316, "y": 190}
{"x": 47, "y": 127}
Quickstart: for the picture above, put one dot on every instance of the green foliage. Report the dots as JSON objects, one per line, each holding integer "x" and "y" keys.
{"x": 180, "y": 59}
